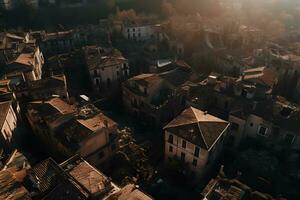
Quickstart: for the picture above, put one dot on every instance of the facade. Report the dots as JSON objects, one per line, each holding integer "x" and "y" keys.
{"x": 59, "y": 42}
{"x": 69, "y": 129}
{"x": 107, "y": 68}
{"x": 155, "y": 98}
{"x": 195, "y": 138}
{"x": 8, "y": 125}
{"x": 272, "y": 123}
{"x": 26, "y": 67}
{"x": 142, "y": 29}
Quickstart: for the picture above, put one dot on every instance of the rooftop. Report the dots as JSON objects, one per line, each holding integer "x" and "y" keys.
{"x": 87, "y": 176}
{"x": 198, "y": 127}
{"x": 4, "y": 108}
{"x": 10, "y": 188}
{"x": 130, "y": 192}
{"x": 260, "y": 75}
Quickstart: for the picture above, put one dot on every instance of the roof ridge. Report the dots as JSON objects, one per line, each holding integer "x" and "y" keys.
{"x": 198, "y": 123}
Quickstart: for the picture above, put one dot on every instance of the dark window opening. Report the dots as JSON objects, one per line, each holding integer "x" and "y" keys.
{"x": 197, "y": 151}
{"x": 170, "y": 140}
{"x": 263, "y": 131}
{"x": 182, "y": 157}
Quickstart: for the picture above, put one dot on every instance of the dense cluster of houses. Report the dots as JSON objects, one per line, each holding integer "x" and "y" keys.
{"x": 198, "y": 118}
{"x": 74, "y": 178}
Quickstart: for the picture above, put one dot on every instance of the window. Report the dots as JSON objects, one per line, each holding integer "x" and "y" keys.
{"x": 170, "y": 149}
{"x": 251, "y": 124}
{"x": 95, "y": 73}
{"x": 183, "y": 144}
{"x": 145, "y": 91}
{"x": 170, "y": 140}
{"x": 262, "y": 130}
{"x": 197, "y": 150}
{"x": 289, "y": 139}
{"x": 234, "y": 126}
{"x": 113, "y": 147}
{"x": 101, "y": 155}
{"x": 194, "y": 163}
{"x": 108, "y": 82}
{"x": 97, "y": 82}
{"x": 182, "y": 157}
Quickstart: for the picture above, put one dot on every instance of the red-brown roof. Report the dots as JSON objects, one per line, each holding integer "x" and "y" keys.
{"x": 198, "y": 127}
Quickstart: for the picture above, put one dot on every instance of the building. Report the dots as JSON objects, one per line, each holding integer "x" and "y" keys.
{"x": 73, "y": 179}
{"x": 222, "y": 187}
{"x": 6, "y": 4}
{"x": 222, "y": 94}
{"x": 26, "y": 67}
{"x": 60, "y": 42}
{"x": 11, "y": 188}
{"x": 272, "y": 123}
{"x": 69, "y": 129}
{"x": 257, "y": 82}
{"x": 8, "y": 121}
{"x": 156, "y": 98}
{"x": 107, "y": 68}
{"x": 142, "y": 29}
{"x": 196, "y": 138}
{"x": 12, "y": 172}
{"x": 10, "y": 4}
{"x": 43, "y": 89}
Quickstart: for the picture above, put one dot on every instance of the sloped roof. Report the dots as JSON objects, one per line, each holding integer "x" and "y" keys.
{"x": 146, "y": 79}
{"x": 10, "y": 189}
{"x": 129, "y": 192}
{"x": 4, "y": 108}
{"x": 263, "y": 75}
{"x": 197, "y": 127}
{"x": 25, "y": 59}
{"x": 45, "y": 175}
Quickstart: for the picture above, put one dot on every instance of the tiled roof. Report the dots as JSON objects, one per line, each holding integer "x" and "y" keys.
{"x": 25, "y": 59}
{"x": 197, "y": 127}
{"x": 45, "y": 175}
{"x": 87, "y": 176}
{"x": 97, "y": 122}
{"x": 146, "y": 79}
{"x": 66, "y": 190}
{"x": 4, "y": 108}
{"x": 10, "y": 189}
{"x": 262, "y": 75}
{"x": 130, "y": 192}
{"x": 62, "y": 106}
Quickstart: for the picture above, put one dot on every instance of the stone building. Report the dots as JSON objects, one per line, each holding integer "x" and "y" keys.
{"x": 107, "y": 69}
{"x": 156, "y": 98}
{"x": 195, "y": 138}
{"x": 8, "y": 121}
{"x": 69, "y": 129}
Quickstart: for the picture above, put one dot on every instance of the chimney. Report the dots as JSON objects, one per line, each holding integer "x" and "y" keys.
{"x": 205, "y": 112}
